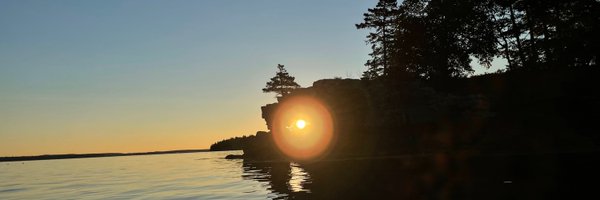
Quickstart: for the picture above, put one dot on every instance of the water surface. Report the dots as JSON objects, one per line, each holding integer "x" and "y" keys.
{"x": 207, "y": 175}
{"x": 204, "y": 175}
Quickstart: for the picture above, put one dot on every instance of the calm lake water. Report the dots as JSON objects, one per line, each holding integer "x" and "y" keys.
{"x": 204, "y": 175}
{"x": 207, "y": 175}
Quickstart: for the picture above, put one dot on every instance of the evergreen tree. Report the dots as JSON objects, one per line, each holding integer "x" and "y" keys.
{"x": 437, "y": 39}
{"x": 545, "y": 33}
{"x": 428, "y": 38}
{"x": 455, "y": 32}
{"x": 282, "y": 84}
{"x": 560, "y": 33}
{"x": 382, "y": 19}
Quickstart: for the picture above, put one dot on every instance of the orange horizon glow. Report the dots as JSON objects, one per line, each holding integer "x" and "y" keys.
{"x": 302, "y": 128}
{"x": 190, "y": 130}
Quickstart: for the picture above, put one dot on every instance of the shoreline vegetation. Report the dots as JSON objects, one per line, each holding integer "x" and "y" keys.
{"x": 512, "y": 135}
{"x": 510, "y": 113}
{"x": 418, "y": 94}
{"x": 94, "y": 155}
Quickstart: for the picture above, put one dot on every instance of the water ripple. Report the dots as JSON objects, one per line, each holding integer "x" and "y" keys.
{"x": 177, "y": 176}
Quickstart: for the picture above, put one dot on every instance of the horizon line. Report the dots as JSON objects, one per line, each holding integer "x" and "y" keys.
{"x": 94, "y": 155}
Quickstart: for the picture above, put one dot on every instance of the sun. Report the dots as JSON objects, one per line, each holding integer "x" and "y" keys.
{"x": 302, "y": 128}
{"x": 300, "y": 124}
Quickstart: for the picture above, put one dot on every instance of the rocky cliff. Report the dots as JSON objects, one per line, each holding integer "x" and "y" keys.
{"x": 370, "y": 119}
{"x": 492, "y": 113}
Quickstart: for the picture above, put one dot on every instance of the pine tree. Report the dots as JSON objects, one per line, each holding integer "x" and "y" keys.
{"x": 282, "y": 84}
{"x": 382, "y": 19}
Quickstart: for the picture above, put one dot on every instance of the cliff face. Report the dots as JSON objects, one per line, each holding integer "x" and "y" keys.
{"x": 370, "y": 119}
{"x": 345, "y": 99}
{"x": 261, "y": 147}
{"x": 494, "y": 113}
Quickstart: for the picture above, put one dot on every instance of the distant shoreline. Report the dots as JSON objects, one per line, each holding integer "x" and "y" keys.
{"x": 94, "y": 155}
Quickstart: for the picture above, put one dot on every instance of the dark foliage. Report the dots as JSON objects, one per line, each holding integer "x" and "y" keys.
{"x": 382, "y": 19}
{"x": 235, "y": 143}
{"x": 437, "y": 39}
{"x": 282, "y": 83}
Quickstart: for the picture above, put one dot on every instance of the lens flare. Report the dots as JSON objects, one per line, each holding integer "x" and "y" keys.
{"x": 302, "y": 128}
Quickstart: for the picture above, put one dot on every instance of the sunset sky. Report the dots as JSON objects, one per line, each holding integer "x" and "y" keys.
{"x": 130, "y": 76}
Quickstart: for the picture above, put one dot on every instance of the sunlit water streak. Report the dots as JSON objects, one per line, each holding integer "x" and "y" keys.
{"x": 299, "y": 178}
{"x": 203, "y": 175}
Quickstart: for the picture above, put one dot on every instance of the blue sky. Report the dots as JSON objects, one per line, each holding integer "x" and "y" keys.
{"x": 122, "y": 76}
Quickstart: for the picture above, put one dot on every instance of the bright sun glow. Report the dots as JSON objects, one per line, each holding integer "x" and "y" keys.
{"x": 302, "y": 128}
{"x": 300, "y": 124}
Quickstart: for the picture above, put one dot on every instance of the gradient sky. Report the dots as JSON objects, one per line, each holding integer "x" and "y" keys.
{"x": 130, "y": 76}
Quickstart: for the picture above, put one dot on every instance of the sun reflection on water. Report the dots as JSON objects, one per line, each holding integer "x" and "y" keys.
{"x": 298, "y": 178}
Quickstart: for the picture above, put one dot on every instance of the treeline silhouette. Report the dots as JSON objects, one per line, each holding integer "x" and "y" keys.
{"x": 417, "y": 96}
{"x": 235, "y": 143}
{"x": 418, "y": 125}
{"x": 437, "y": 39}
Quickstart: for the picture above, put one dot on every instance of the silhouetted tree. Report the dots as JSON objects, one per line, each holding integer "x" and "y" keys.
{"x": 461, "y": 30}
{"x": 437, "y": 39}
{"x": 561, "y": 33}
{"x": 382, "y": 19}
{"x": 282, "y": 84}
{"x": 541, "y": 33}
{"x": 511, "y": 28}
{"x": 428, "y": 38}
